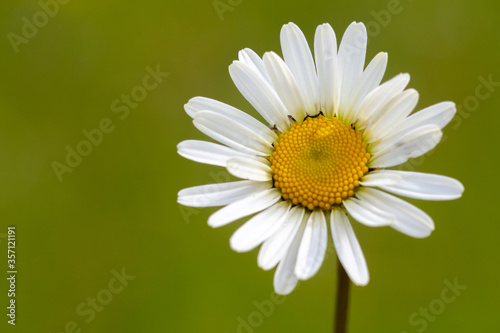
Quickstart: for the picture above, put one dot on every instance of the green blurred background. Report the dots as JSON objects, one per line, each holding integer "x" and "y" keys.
{"x": 117, "y": 209}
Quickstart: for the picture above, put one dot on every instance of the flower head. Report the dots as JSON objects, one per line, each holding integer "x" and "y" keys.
{"x": 332, "y": 130}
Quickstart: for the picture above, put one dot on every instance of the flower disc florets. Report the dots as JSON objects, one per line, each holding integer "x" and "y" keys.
{"x": 318, "y": 162}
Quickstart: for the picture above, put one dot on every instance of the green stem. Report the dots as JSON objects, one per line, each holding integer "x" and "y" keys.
{"x": 343, "y": 284}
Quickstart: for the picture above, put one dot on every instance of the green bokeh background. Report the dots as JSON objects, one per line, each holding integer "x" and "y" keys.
{"x": 118, "y": 207}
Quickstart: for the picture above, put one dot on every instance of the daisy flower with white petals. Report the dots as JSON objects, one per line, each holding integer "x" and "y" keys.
{"x": 332, "y": 130}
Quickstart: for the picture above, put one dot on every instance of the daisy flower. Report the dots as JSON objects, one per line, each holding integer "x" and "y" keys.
{"x": 332, "y": 130}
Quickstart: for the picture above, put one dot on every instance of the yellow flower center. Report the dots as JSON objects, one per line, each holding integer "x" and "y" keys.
{"x": 318, "y": 162}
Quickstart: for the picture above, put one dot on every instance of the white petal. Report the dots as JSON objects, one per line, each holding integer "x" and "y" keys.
{"x": 374, "y": 103}
{"x": 285, "y": 85}
{"x": 260, "y": 227}
{"x": 352, "y": 53}
{"x": 252, "y": 59}
{"x": 312, "y": 246}
{"x": 260, "y": 94}
{"x": 220, "y": 194}
{"x": 408, "y": 219}
{"x": 284, "y": 277}
{"x": 299, "y": 59}
{"x": 370, "y": 79}
{"x": 379, "y": 178}
{"x": 397, "y": 110}
{"x": 325, "y": 52}
{"x": 409, "y": 145}
{"x": 250, "y": 168}
{"x": 415, "y": 185}
{"x": 233, "y": 134}
{"x": 367, "y": 214}
{"x": 438, "y": 114}
{"x": 274, "y": 248}
{"x": 247, "y": 206}
{"x": 206, "y": 152}
{"x": 348, "y": 248}
{"x": 197, "y": 104}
